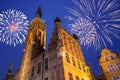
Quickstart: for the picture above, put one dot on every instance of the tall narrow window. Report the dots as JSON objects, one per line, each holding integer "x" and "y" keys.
{"x": 73, "y": 61}
{"x": 67, "y": 58}
{"x": 79, "y": 65}
{"x": 110, "y": 68}
{"x": 118, "y": 65}
{"x": 77, "y": 78}
{"x": 46, "y": 64}
{"x": 39, "y": 34}
{"x": 106, "y": 59}
{"x": 39, "y": 68}
{"x": 70, "y": 76}
{"x": 111, "y": 57}
{"x": 84, "y": 68}
{"x": 32, "y": 72}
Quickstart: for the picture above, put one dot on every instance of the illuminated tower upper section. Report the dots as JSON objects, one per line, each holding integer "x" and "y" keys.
{"x": 37, "y": 29}
{"x": 35, "y": 44}
{"x": 63, "y": 41}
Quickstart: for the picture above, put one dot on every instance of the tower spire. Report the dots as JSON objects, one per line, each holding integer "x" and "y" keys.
{"x": 39, "y": 13}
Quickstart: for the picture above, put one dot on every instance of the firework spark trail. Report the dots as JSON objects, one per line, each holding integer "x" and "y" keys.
{"x": 104, "y": 20}
{"x": 13, "y": 27}
{"x": 86, "y": 33}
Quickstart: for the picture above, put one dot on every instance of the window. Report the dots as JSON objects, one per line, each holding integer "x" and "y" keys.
{"x": 70, "y": 76}
{"x": 73, "y": 61}
{"x": 115, "y": 77}
{"x": 106, "y": 59}
{"x": 77, "y": 78}
{"x": 67, "y": 58}
{"x": 82, "y": 79}
{"x": 46, "y": 78}
{"x": 111, "y": 57}
{"x": 46, "y": 64}
{"x": 39, "y": 34}
{"x": 110, "y": 68}
{"x": 118, "y": 65}
{"x": 79, "y": 65}
{"x": 84, "y": 69}
{"x": 39, "y": 68}
{"x": 32, "y": 72}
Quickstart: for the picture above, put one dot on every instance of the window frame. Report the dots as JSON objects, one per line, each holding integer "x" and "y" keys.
{"x": 118, "y": 65}
{"x": 32, "y": 72}
{"x": 70, "y": 76}
{"x": 46, "y": 64}
{"x": 110, "y": 68}
{"x": 39, "y": 67}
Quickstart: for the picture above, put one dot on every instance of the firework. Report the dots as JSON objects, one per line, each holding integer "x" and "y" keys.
{"x": 13, "y": 27}
{"x": 100, "y": 22}
{"x": 85, "y": 31}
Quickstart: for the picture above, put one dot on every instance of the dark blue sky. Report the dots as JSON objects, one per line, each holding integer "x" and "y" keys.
{"x": 50, "y": 10}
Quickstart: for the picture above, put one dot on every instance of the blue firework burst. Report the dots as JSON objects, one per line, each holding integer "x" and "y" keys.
{"x": 104, "y": 17}
{"x": 13, "y": 27}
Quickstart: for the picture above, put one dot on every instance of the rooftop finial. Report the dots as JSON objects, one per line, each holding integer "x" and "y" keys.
{"x": 57, "y": 19}
{"x": 39, "y": 13}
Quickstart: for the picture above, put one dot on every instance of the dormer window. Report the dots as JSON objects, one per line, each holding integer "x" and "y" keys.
{"x": 111, "y": 57}
{"x": 106, "y": 59}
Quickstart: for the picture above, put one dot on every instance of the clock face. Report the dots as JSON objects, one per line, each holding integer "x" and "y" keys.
{"x": 40, "y": 26}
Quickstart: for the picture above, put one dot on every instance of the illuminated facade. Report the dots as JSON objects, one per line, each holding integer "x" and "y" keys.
{"x": 62, "y": 61}
{"x": 110, "y": 65}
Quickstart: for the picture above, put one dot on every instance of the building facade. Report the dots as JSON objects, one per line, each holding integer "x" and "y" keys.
{"x": 63, "y": 60}
{"x": 110, "y": 65}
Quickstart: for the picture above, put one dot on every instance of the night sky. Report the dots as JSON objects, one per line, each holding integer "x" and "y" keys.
{"x": 50, "y": 10}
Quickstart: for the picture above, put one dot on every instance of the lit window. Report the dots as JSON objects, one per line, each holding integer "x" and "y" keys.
{"x": 79, "y": 65}
{"x": 115, "y": 77}
{"x": 39, "y": 34}
{"x": 70, "y": 76}
{"x": 110, "y": 68}
{"x": 67, "y": 58}
{"x": 73, "y": 61}
{"x": 84, "y": 69}
{"x": 46, "y": 78}
{"x": 46, "y": 64}
{"x": 32, "y": 72}
{"x": 82, "y": 79}
{"x": 39, "y": 67}
{"x": 118, "y": 65}
{"x": 106, "y": 59}
{"x": 111, "y": 57}
{"x": 77, "y": 78}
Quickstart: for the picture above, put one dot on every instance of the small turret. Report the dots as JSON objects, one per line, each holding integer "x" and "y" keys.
{"x": 57, "y": 19}
{"x": 57, "y": 22}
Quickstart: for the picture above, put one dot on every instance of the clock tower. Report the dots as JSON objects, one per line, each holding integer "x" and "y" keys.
{"x": 35, "y": 43}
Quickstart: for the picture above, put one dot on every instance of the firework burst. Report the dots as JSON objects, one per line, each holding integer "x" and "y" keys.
{"x": 85, "y": 31}
{"x": 13, "y": 27}
{"x": 98, "y": 21}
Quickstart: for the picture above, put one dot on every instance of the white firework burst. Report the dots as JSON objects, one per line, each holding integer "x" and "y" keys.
{"x": 13, "y": 27}
{"x": 85, "y": 31}
{"x": 104, "y": 17}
